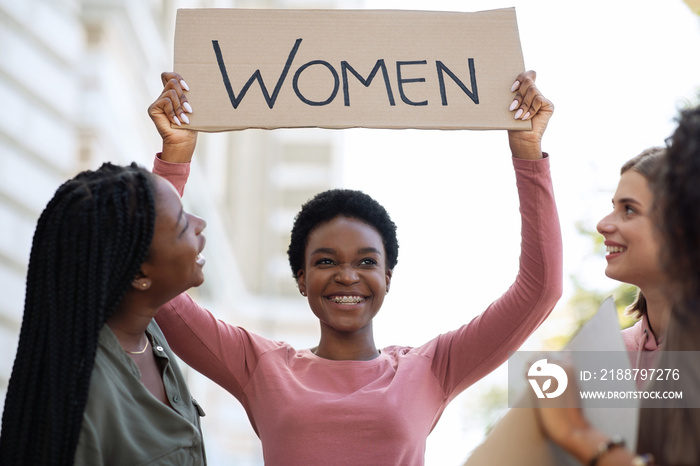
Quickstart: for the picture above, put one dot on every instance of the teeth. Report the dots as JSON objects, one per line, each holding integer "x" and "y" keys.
{"x": 614, "y": 249}
{"x": 347, "y": 299}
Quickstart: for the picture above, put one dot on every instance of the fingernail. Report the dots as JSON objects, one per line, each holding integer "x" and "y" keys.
{"x": 518, "y": 113}
{"x": 184, "y": 85}
{"x": 177, "y": 121}
{"x": 513, "y": 105}
{"x": 515, "y": 86}
{"x": 187, "y": 107}
{"x": 187, "y": 120}
{"x": 525, "y": 117}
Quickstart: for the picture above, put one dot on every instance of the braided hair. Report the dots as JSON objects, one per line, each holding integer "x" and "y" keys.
{"x": 89, "y": 244}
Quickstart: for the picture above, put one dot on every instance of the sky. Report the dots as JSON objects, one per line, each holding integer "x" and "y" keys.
{"x": 616, "y": 71}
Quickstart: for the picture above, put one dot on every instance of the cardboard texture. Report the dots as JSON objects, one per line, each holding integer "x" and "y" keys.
{"x": 517, "y": 438}
{"x": 348, "y": 68}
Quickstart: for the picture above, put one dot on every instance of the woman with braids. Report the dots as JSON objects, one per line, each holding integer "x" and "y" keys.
{"x": 94, "y": 380}
{"x": 669, "y": 431}
{"x": 346, "y": 401}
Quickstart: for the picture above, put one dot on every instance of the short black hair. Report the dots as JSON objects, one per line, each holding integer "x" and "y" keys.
{"x": 350, "y": 203}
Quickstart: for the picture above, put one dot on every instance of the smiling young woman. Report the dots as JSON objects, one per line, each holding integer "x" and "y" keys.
{"x": 345, "y": 278}
{"x": 94, "y": 380}
{"x": 345, "y": 401}
{"x": 668, "y": 434}
{"x": 633, "y": 244}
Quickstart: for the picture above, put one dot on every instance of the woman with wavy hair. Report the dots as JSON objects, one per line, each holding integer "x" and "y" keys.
{"x": 669, "y": 434}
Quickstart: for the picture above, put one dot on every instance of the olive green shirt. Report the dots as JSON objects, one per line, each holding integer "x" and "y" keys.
{"x": 124, "y": 424}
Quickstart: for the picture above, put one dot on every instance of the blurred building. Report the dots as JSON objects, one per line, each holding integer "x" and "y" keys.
{"x": 76, "y": 78}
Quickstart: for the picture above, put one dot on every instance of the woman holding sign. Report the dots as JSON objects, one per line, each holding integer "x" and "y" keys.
{"x": 345, "y": 401}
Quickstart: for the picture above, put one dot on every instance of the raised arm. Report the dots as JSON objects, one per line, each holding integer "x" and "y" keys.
{"x": 222, "y": 352}
{"x": 469, "y": 353}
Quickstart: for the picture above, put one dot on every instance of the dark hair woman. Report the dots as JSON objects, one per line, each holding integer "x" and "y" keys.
{"x": 94, "y": 380}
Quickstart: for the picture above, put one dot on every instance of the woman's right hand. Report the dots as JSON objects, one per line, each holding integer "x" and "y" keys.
{"x": 172, "y": 106}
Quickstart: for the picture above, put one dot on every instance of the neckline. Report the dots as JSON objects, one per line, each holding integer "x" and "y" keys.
{"x": 378, "y": 359}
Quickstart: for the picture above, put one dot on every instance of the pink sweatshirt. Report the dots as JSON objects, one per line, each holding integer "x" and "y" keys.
{"x": 312, "y": 411}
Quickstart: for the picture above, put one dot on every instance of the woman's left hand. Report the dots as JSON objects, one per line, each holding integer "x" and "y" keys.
{"x": 562, "y": 420}
{"x": 529, "y": 104}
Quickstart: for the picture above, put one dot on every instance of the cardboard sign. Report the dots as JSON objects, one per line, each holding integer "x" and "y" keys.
{"x": 348, "y": 68}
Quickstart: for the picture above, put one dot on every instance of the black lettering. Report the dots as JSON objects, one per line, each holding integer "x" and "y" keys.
{"x": 345, "y": 67}
{"x": 235, "y": 101}
{"x": 336, "y": 85}
{"x": 472, "y": 77}
{"x": 399, "y": 64}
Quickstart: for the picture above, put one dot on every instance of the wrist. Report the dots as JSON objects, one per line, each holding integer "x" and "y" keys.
{"x": 178, "y": 153}
{"x": 593, "y": 448}
{"x": 528, "y": 155}
{"x": 525, "y": 146}
{"x": 526, "y": 151}
{"x": 582, "y": 442}
{"x": 606, "y": 448}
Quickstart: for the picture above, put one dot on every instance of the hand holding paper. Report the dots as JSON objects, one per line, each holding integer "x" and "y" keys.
{"x": 172, "y": 106}
{"x": 529, "y": 104}
{"x": 563, "y": 424}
